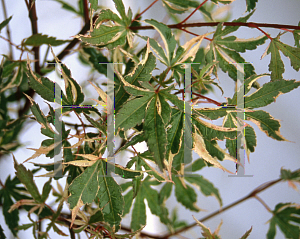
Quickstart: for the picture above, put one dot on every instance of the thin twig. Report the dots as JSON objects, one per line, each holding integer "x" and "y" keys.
{"x": 263, "y": 203}
{"x": 250, "y": 195}
{"x": 2, "y": 185}
{"x": 11, "y": 43}
{"x": 137, "y": 17}
{"x": 7, "y": 30}
{"x": 213, "y": 24}
{"x": 60, "y": 56}
{"x": 71, "y": 45}
{"x": 253, "y": 25}
{"x": 34, "y": 28}
{"x": 192, "y": 13}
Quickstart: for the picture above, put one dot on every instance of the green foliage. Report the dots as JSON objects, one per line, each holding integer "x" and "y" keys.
{"x": 39, "y": 39}
{"x": 153, "y": 105}
{"x": 286, "y": 217}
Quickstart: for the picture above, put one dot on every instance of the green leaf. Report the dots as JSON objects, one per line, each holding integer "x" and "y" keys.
{"x": 67, "y": 7}
{"x": 96, "y": 58}
{"x": 107, "y": 14}
{"x": 196, "y": 165}
{"x": 85, "y": 187}
{"x": 288, "y": 175}
{"x": 102, "y": 128}
{"x": 26, "y": 177}
{"x": 206, "y": 187}
{"x": 296, "y": 34}
{"x": 185, "y": 195}
{"x": 211, "y": 131}
{"x": 133, "y": 140}
{"x": 241, "y": 45}
{"x": 2, "y": 235}
{"x": 12, "y": 218}
{"x": 104, "y": 35}
{"x": 176, "y": 6}
{"x": 94, "y": 4}
{"x": 46, "y": 190}
{"x": 266, "y": 123}
{"x": 142, "y": 72}
{"x": 110, "y": 198}
{"x": 251, "y": 4}
{"x": 132, "y": 113}
{"x": 73, "y": 89}
{"x": 226, "y": 57}
{"x": 212, "y": 113}
{"x": 126, "y": 173}
{"x": 276, "y": 65}
{"x": 39, "y": 39}
{"x": 155, "y": 133}
{"x": 269, "y": 92}
{"x": 128, "y": 199}
{"x": 247, "y": 233}
{"x": 165, "y": 192}
{"x": 174, "y": 133}
{"x": 229, "y": 29}
{"x": 291, "y": 52}
{"x": 152, "y": 198}
{"x": 165, "y": 109}
{"x": 286, "y": 217}
{"x": 44, "y": 87}
{"x": 168, "y": 40}
{"x": 139, "y": 212}
{"x": 120, "y": 8}
{"x": 40, "y": 117}
{"x": 5, "y": 22}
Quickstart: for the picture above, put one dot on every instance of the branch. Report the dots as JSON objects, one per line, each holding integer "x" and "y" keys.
{"x": 86, "y": 11}
{"x": 137, "y": 17}
{"x": 60, "y": 56}
{"x": 70, "y": 46}
{"x": 192, "y": 13}
{"x": 7, "y": 30}
{"x": 250, "y": 195}
{"x": 213, "y": 24}
{"x": 36, "y": 50}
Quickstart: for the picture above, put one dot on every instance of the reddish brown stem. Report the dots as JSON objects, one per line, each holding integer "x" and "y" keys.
{"x": 286, "y": 30}
{"x": 2, "y": 185}
{"x": 137, "y": 17}
{"x": 254, "y": 25}
{"x": 192, "y": 13}
{"x": 86, "y": 11}
{"x": 201, "y": 96}
{"x": 208, "y": 99}
{"x": 194, "y": 34}
{"x": 213, "y": 24}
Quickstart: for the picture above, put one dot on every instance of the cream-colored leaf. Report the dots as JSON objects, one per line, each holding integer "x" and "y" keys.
{"x": 21, "y": 203}
{"x": 102, "y": 103}
{"x": 199, "y": 147}
{"x": 42, "y": 124}
{"x": 158, "y": 105}
{"x": 42, "y": 150}
{"x": 89, "y": 156}
{"x": 191, "y": 51}
{"x": 129, "y": 55}
{"x": 75, "y": 211}
{"x": 102, "y": 94}
{"x": 81, "y": 163}
{"x": 129, "y": 85}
